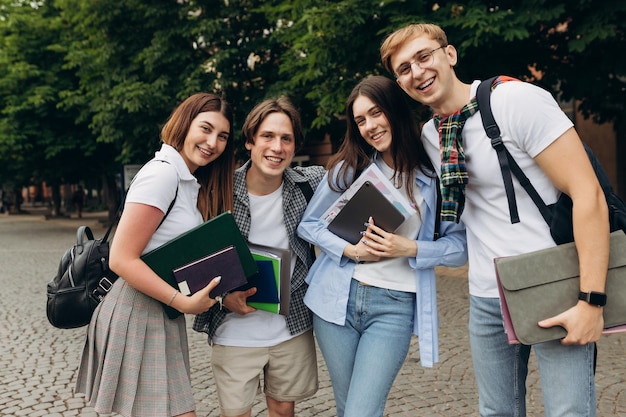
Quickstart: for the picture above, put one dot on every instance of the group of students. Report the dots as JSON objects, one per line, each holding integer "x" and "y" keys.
{"x": 363, "y": 301}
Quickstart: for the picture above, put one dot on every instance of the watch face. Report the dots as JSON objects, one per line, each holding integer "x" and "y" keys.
{"x": 597, "y": 299}
{"x": 593, "y": 298}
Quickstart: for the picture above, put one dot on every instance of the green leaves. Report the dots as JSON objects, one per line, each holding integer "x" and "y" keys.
{"x": 93, "y": 80}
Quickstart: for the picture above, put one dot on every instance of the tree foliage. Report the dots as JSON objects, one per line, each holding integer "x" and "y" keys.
{"x": 36, "y": 137}
{"x": 132, "y": 60}
{"x": 572, "y": 43}
{"x": 86, "y": 84}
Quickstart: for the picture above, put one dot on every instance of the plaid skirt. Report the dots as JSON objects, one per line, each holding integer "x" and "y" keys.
{"x": 136, "y": 360}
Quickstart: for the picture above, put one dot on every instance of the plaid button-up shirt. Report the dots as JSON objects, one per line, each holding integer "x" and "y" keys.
{"x": 294, "y": 204}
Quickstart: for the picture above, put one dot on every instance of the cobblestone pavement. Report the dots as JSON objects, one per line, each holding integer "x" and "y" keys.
{"x": 38, "y": 363}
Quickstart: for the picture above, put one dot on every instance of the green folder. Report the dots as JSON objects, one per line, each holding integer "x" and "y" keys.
{"x": 276, "y": 279}
{"x": 215, "y": 234}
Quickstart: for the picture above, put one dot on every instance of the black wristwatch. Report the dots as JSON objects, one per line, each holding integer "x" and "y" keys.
{"x": 593, "y": 298}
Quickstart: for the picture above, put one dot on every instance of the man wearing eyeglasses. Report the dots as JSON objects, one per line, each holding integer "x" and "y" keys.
{"x": 544, "y": 143}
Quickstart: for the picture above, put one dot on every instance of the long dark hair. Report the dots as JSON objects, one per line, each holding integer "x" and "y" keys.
{"x": 407, "y": 149}
{"x": 216, "y": 179}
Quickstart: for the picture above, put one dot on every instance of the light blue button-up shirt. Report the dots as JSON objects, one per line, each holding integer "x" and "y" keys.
{"x": 329, "y": 277}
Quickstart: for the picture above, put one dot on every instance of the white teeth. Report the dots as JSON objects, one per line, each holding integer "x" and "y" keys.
{"x": 377, "y": 135}
{"x": 273, "y": 159}
{"x": 204, "y": 151}
{"x": 426, "y": 84}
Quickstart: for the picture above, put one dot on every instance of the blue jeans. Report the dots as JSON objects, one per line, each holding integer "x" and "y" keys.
{"x": 566, "y": 372}
{"x": 365, "y": 355}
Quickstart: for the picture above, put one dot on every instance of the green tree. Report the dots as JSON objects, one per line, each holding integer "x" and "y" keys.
{"x": 574, "y": 43}
{"x": 135, "y": 61}
{"x": 37, "y": 139}
{"x": 86, "y": 84}
{"x": 331, "y": 45}
{"x": 234, "y": 38}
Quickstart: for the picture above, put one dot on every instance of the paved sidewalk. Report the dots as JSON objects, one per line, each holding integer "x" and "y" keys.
{"x": 38, "y": 363}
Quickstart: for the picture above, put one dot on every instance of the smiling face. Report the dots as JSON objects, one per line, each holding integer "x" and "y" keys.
{"x": 432, "y": 84}
{"x": 205, "y": 140}
{"x": 272, "y": 151}
{"x": 373, "y": 126}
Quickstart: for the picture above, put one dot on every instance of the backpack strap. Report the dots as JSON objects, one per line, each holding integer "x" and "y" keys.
{"x": 505, "y": 159}
{"x": 118, "y": 214}
{"x": 437, "y": 231}
{"x": 307, "y": 191}
{"x": 169, "y": 208}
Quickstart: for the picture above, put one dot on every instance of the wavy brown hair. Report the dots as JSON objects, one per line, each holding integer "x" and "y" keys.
{"x": 407, "y": 149}
{"x": 215, "y": 179}
{"x": 273, "y": 105}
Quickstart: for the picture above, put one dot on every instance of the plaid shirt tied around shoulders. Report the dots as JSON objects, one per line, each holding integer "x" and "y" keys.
{"x": 454, "y": 175}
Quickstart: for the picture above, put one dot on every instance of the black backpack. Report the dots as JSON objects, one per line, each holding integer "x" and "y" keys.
{"x": 83, "y": 278}
{"x": 557, "y": 215}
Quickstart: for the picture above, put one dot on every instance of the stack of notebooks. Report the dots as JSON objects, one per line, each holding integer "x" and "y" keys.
{"x": 224, "y": 263}
{"x": 272, "y": 282}
{"x": 217, "y": 248}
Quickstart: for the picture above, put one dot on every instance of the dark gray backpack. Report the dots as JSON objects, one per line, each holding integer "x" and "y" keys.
{"x": 557, "y": 215}
{"x": 83, "y": 277}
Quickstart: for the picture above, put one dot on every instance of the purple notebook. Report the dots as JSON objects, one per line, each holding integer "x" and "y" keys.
{"x": 196, "y": 275}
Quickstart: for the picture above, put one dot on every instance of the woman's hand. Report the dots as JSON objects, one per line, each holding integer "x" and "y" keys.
{"x": 361, "y": 254}
{"x": 379, "y": 243}
{"x": 197, "y": 303}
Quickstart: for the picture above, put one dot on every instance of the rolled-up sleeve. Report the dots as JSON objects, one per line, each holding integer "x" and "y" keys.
{"x": 449, "y": 250}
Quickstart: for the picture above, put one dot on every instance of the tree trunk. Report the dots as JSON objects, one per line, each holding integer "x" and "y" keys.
{"x": 111, "y": 196}
{"x": 56, "y": 200}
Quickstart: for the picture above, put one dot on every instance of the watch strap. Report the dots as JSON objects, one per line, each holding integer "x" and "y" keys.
{"x": 593, "y": 298}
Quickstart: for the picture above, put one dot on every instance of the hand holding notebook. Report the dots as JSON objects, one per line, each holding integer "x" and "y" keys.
{"x": 210, "y": 237}
{"x": 272, "y": 281}
{"x": 196, "y": 275}
{"x": 367, "y": 201}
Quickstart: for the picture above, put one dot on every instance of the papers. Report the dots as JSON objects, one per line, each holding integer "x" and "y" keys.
{"x": 374, "y": 175}
{"x": 371, "y": 194}
{"x": 196, "y": 275}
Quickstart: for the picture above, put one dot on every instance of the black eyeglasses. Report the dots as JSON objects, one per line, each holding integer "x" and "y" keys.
{"x": 421, "y": 59}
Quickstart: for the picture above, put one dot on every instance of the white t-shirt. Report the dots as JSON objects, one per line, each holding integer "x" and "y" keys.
{"x": 155, "y": 185}
{"x": 260, "y": 328}
{"x": 530, "y": 120}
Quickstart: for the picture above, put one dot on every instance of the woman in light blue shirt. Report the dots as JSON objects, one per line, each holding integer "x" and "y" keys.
{"x": 369, "y": 298}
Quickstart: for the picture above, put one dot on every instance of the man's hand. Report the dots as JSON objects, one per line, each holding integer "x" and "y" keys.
{"x": 236, "y": 301}
{"x": 583, "y": 323}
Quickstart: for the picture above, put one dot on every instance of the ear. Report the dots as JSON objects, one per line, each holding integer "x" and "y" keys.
{"x": 248, "y": 145}
{"x": 451, "y": 55}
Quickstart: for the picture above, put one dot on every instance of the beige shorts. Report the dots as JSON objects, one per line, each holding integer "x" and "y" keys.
{"x": 289, "y": 372}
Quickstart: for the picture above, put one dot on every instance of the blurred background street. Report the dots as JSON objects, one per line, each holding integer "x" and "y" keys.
{"x": 38, "y": 363}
